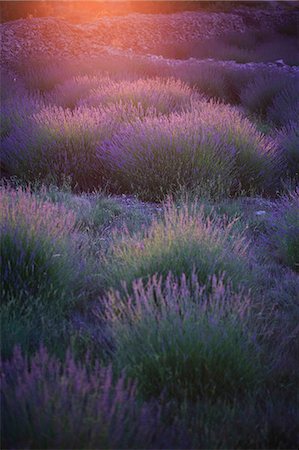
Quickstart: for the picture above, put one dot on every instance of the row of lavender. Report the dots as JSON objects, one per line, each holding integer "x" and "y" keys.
{"x": 151, "y": 136}
{"x": 189, "y": 319}
{"x": 209, "y": 324}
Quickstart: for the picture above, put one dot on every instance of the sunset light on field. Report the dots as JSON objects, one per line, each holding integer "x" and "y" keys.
{"x": 149, "y": 198}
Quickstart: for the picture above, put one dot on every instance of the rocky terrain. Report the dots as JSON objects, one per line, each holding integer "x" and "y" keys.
{"x": 135, "y": 32}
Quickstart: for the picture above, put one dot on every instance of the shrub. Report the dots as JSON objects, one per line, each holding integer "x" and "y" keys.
{"x": 236, "y": 80}
{"x": 182, "y": 241}
{"x": 11, "y": 85}
{"x": 288, "y": 142}
{"x": 59, "y": 143}
{"x": 227, "y": 52}
{"x": 156, "y": 157}
{"x": 261, "y": 419}
{"x": 285, "y": 105}
{"x": 16, "y": 111}
{"x": 255, "y": 156}
{"x": 41, "y": 73}
{"x": 283, "y": 235}
{"x": 282, "y": 297}
{"x": 257, "y": 47}
{"x": 214, "y": 79}
{"x": 246, "y": 40}
{"x": 164, "y": 96}
{"x": 53, "y": 404}
{"x": 35, "y": 257}
{"x": 207, "y": 78}
{"x": 258, "y": 96}
{"x": 183, "y": 341}
{"x": 212, "y": 144}
{"x": 16, "y": 104}
{"x": 101, "y": 212}
{"x": 71, "y": 91}
{"x": 29, "y": 320}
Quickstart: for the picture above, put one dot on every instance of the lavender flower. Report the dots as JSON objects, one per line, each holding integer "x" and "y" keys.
{"x": 51, "y": 404}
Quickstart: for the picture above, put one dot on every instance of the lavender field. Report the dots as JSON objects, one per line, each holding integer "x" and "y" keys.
{"x": 149, "y": 235}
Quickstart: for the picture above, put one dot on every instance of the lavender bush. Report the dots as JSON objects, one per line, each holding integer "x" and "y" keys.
{"x": 283, "y": 237}
{"x": 16, "y": 104}
{"x": 164, "y": 96}
{"x": 156, "y": 157}
{"x": 182, "y": 241}
{"x": 69, "y": 93}
{"x": 211, "y": 143}
{"x": 207, "y": 78}
{"x": 194, "y": 300}
{"x": 285, "y": 105}
{"x": 30, "y": 321}
{"x": 16, "y": 111}
{"x": 223, "y": 424}
{"x": 196, "y": 344}
{"x": 122, "y": 67}
{"x": 288, "y": 142}
{"x": 93, "y": 211}
{"x": 258, "y": 96}
{"x": 40, "y": 73}
{"x": 58, "y": 143}
{"x": 216, "y": 80}
{"x": 35, "y": 257}
{"x": 11, "y": 85}
{"x": 52, "y": 404}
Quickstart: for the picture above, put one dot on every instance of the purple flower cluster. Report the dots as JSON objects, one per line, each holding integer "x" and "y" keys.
{"x": 51, "y": 404}
{"x": 288, "y": 143}
{"x": 283, "y": 232}
{"x": 211, "y": 142}
{"x": 40, "y": 73}
{"x": 183, "y": 240}
{"x": 69, "y": 93}
{"x": 58, "y": 143}
{"x": 285, "y": 105}
{"x": 34, "y": 256}
{"x": 157, "y": 95}
{"x": 259, "y": 94}
{"x": 174, "y": 336}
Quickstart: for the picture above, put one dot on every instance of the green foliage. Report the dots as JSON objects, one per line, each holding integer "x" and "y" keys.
{"x": 259, "y": 94}
{"x": 181, "y": 241}
{"x": 283, "y": 235}
{"x": 28, "y": 321}
{"x": 35, "y": 249}
{"x": 184, "y": 342}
